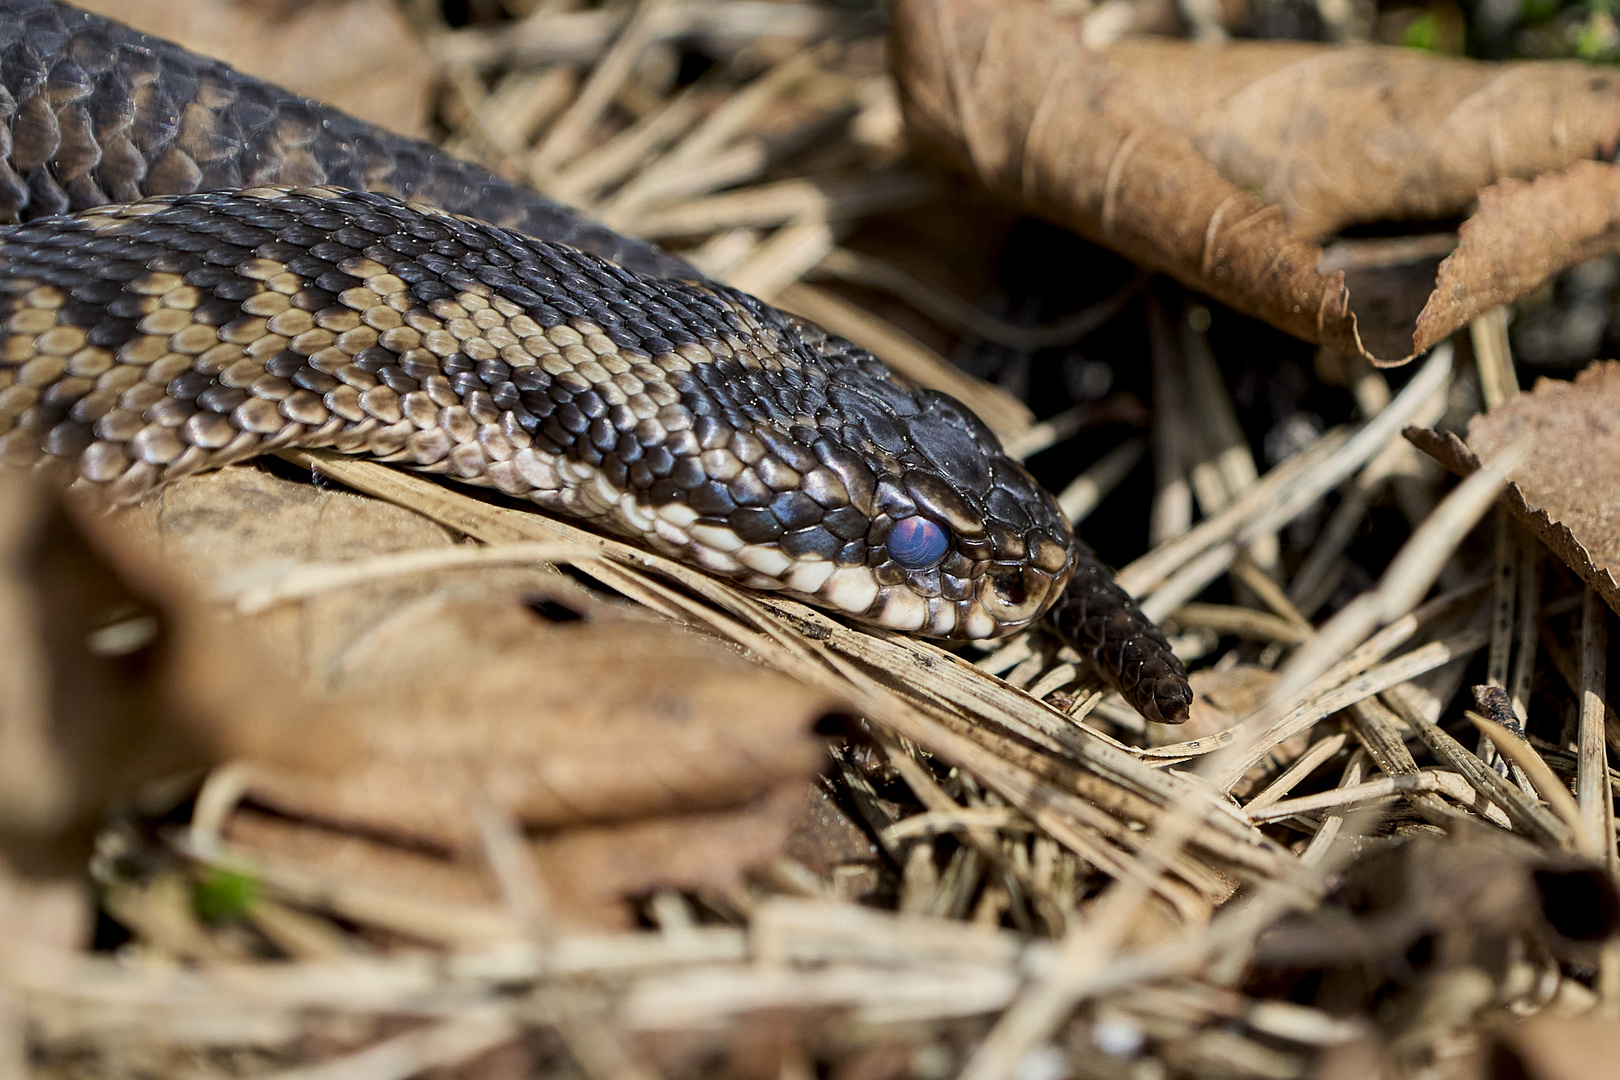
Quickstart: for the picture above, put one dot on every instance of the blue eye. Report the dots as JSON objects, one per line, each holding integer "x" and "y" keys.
{"x": 917, "y": 543}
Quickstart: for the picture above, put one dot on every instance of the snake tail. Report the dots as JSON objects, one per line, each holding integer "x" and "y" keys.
{"x": 1125, "y": 648}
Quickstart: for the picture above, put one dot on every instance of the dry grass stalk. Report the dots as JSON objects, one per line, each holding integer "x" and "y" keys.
{"x": 949, "y": 310}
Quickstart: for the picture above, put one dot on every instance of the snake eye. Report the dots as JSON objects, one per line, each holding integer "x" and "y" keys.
{"x": 917, "y": 543}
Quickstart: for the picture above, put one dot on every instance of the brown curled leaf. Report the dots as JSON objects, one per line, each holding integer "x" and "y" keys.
{"x": 612, "y": 718}
{"x": 1548, "y": 1046}
{"x": 103, "y": 651}
{"x": 208, "y": 536}
{"x": 1567, "y": 491}
{"x": 588, "y": 871}
{"x": 1523, "y": 233}
{"x": 246, "y": 682}
{"x": 1222, "y": 166}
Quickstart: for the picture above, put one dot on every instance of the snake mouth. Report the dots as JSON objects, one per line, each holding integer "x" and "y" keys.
{"x": 1013, "y": 594}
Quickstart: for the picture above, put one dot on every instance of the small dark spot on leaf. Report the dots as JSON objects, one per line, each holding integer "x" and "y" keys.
{"x": 554, "y": 611}
{"x": 833, "y": 724}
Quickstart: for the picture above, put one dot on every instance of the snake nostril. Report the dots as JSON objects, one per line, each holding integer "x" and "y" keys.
{"x": 1012, "y": 593}
{"x": 1010, "y": 589}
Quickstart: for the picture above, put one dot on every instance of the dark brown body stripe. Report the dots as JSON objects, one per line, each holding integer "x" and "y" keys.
{"x": 149, "y": 341}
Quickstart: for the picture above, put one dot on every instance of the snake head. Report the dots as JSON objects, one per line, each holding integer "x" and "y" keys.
{"x": 1005, "y": 547}
{"x": 927, "y": 526}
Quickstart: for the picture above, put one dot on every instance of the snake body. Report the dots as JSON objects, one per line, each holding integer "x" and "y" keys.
{"x": 204, "y": 268}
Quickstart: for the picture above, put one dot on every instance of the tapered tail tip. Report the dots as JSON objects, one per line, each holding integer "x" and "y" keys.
{"x": 1165, "y": 700}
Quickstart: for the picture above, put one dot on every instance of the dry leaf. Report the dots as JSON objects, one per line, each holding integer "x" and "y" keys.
{"x": 45, "y": 912}
{"x": 115, "y": 671}
{"x": 611, "y": 718}
{"x": 825, "y": 838}
{"x": 446, "y": 877}
{"x": 1523, "y": 233}
{"x": 1220, "y": 166}
{"x": 1223, "y": 696}
{"x": 358, "y": 55}
{"x": 394, "y": 709}
{"x": 1359, "y": 1060}
{"x": 444, "y": 684}
{"x": 587, "y": 873}
{"x": 207, "y": 535}
{"x": 1568, "y": 490}
{"x": 80, "y": 723}
{"x": 589, "y": 870}
{"x": 1551, "y": 1047}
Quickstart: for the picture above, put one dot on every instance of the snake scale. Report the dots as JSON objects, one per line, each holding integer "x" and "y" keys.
{"x": 197, "y": 268}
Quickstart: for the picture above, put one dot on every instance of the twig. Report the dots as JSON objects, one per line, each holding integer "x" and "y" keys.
{"x": 1522, "y": 754}
{"x": 581, "y": 36}
{"x": 954, "y": 313}
{"x": 1088, "y": 489}
{"x": 1375, "y": 726}
{"x": 254, "y": 594}
{"x": 1322, "y": 842}
{"x": 781, "y": 260}
{"x": 770, "y": 205}
{"x": 440, "y": 1044}
{"x": 1045, "y": 434}
{"x": 1174, "y": 442}
{"x": 1312, "y": 583}
{"x": 569, "y": 130}
{"x": 1493, "y": 354}
{"x": 1302, "y": 767}
{"x": 1525, "y": 815}
{"x": 1240, "y": 621}
{"x": 704, "y": 142}
{"x": 1266, "y": 515}
{"x": 1355, "y": 794}
{"x": 1592, "y": 768}
{"x": 579, "y": 181}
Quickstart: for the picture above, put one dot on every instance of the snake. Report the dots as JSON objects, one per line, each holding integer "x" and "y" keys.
{"x": 197, "y": 268}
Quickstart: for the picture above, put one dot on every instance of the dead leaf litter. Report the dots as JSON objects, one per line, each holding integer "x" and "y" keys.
{"x": 363, "y": 775}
